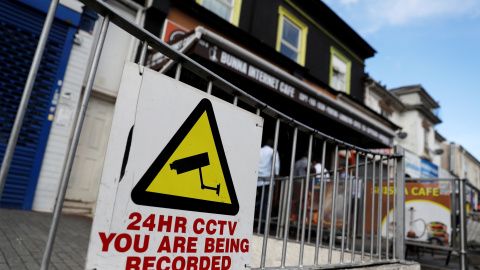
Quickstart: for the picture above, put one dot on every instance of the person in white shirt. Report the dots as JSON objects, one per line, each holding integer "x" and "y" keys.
{"x": 264, "y": 173}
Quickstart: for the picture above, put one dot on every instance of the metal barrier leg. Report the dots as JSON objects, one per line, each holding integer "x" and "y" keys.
{"x": 372, "y": 231}
{"x": 333, "y": 219}
{"x": 400, "y": 203}
{"x": 309, "y": 159}
{"x": 344, "y": 217}
{"x": 320, "y": 205}
{"x": 463, "y": 225}
{"x": 289, "y": 199}
{"x": 379, "y": 217}
{"x": 73, "y": 146}
{"x": 364, "y": 207}
{"x": 355, "y": 207}
{"x": 270, "y": 196}
{"x": 27, "y": 91}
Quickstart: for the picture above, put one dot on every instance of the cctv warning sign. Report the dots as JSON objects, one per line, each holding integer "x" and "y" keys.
{"x": 192, "y": 172}
{"x": 179, "y": 179}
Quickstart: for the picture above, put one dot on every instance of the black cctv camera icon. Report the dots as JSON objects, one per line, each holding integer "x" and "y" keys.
{"x": 192, "y": 163}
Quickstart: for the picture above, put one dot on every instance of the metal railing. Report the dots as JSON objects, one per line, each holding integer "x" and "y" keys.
{"x": 457, "y": 236}
{"x": 346, "y": 194}
{"x": 340, "y": 217}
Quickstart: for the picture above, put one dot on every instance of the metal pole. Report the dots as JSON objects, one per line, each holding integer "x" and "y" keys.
{"x": 260, "y": 212}
{"x": 27, "y": 91}
{"x": 143, "y": 53}
{"x": 387, "y": 225}
{"x": 332, "y": 219}
{"x": 372, "y": 232}
{"x": 320, "y": 205}
{"x": 364, "y": 206}
{"x": 209, "y": 91}
{"x": 289, "y": 198}
{"x": 310, "y": 215}
{"x": 270, "y": 193}
{"x": 400, "y": 203}
{"x": 349, "y": 212}
{"x": 302, "y": 241}
{"x": 345, "y": 195}
{"x": 355, "y": 207}
{"x": 463, "y": 225}
{"x": 73, "y": 146}
{"x": 178, "y": 71}
{"x": 280, "y": 205}
{"x": 395, "y": 194}
{"x": 299, "y": 220}
{"x": 235, "y": 101}
{"x": 379, "y": 217}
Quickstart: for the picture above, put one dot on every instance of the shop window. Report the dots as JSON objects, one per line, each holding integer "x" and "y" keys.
{"x": 339, "y": 71}
{"x": 291, "y": 36}
{"x": 229, "y": 10}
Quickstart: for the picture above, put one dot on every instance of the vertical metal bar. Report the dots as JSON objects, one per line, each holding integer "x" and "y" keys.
{"x": 27, "y": 91}
{"x": 257, "y": 111}
{"x": 379, "y": 218}
{"x": 355, "y": 207}
{"x": 387, "y": 225}
{"x": 312, "y": 197}
{"x": 307, "y": 178}
{"x": 345, "y": 195}
{"x": 73, "y": 146}
{"x": 332, "y": 219}
{"x": 178, "y": 71}
{"x": 349, "y": 212}
{"x": 270, "y": 193}
{"x": 454, "y": 213}
{"x": 289, "y": 198}
{"x": 400, "y": 203}
{"x": 320, "y": 205}
{"x": 364, "y": 206}
{"x": 463, "y": 225}
{"x": 260, "y": 210}
{"x": 395, "y": 194}
{"x": 209, "y": 91}
{"x": 299, "y": 219}
{"x": 372, "y": 232}
{"x": 235, "y": 100}
{"x": 280, "y": 207}
{"x": 143, "y": 53}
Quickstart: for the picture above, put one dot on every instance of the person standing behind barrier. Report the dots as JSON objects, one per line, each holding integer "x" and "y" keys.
{"x": 264, "y": 173}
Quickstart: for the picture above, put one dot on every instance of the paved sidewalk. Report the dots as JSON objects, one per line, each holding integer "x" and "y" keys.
{"x": 23, "y": 236}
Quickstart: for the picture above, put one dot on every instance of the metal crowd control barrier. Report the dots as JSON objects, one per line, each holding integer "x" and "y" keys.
{"x": 339, "y": 217}
{"x": 347, "y": 192}
{"x": 458, "y": 234}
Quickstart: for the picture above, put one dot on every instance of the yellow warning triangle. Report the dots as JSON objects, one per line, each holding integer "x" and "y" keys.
{"x": 191, "y": 173}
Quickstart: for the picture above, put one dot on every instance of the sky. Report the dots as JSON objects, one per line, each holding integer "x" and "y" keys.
{"x": 434, "y": 43}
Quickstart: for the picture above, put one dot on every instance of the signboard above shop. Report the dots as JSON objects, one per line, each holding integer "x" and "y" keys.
{"x": 317, "y": 103}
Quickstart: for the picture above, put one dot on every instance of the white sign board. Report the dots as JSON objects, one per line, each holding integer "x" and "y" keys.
{"x": 179, "y": 180}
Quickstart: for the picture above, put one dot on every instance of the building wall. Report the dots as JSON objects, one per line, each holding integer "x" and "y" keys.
{"x": 264, "y": 25}
{"x": 62, "y": 127}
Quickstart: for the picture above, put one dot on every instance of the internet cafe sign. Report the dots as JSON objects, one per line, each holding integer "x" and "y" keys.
{"x": 245, "y": 69}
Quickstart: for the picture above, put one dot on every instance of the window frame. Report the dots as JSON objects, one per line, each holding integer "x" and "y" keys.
{"x": 336, "y": 53}
{"x": 302, "y": 46}
{"x": 235, "y": 11}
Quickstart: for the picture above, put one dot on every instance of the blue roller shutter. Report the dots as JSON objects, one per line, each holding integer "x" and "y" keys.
{"x": 20, "y": 28}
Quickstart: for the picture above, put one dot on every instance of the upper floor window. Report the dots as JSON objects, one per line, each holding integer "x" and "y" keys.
{"x": 339, "y": 71}
{"x": 226, "y": 9}
{"x": 291, "y": 36}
